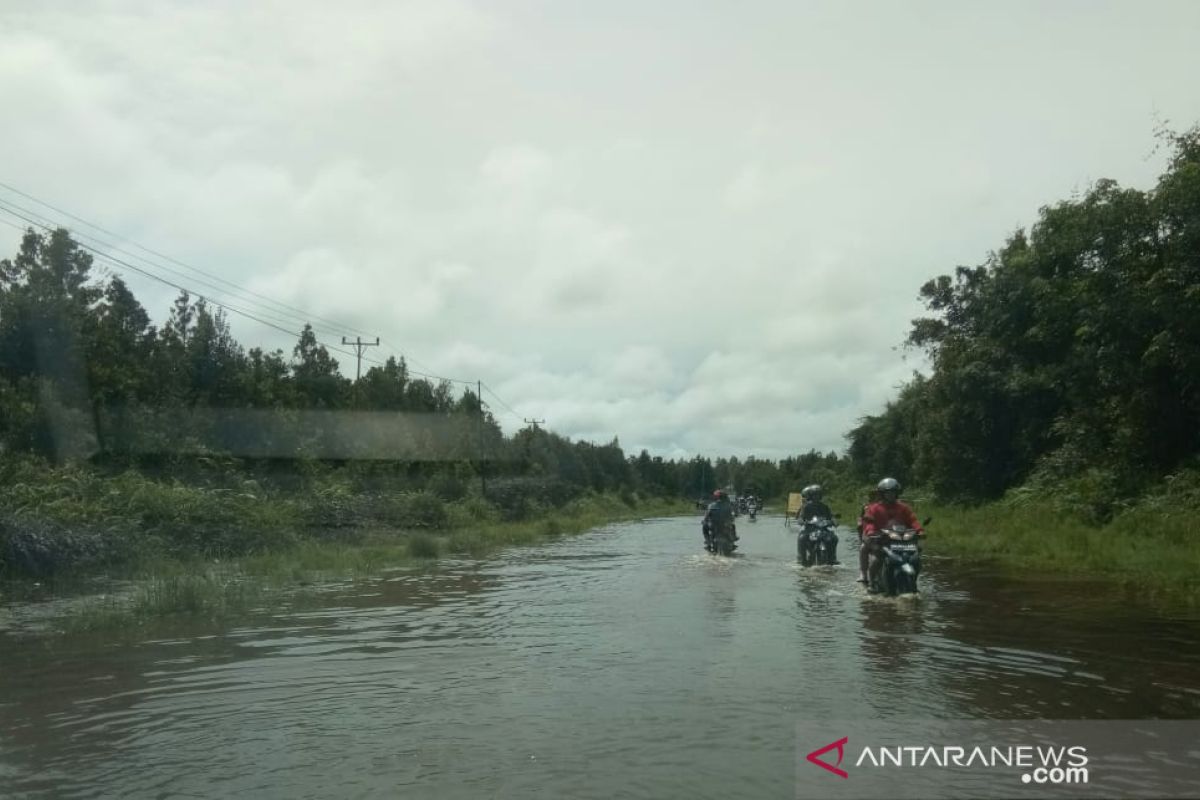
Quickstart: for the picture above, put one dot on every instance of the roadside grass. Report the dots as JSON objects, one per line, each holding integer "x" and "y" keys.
{"x": 1148, "y": 549}
{"x": 173, "y": 581}
{"x": 1152, "y": 551}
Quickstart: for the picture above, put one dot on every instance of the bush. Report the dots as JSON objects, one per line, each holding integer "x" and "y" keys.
{"x": 40, "y": 547}
{"x": 421, "y": 510}
{"x": 520, "y": 498}
{"x": 422, "y": 545}
{"x": 472, "y": 510}
{"x": 449, "y": 488}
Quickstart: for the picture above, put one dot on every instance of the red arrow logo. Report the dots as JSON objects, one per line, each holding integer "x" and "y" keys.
{"x": 815, "y": 757}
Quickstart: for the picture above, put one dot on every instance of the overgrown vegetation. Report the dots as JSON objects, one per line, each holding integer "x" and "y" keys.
{"x": 72, "y": 518}
{"x": 217, "y": 589}
{"x": 1068, "y": 363}
{"x": 1148, "y": 547}
{"x": 1059, "y": 428}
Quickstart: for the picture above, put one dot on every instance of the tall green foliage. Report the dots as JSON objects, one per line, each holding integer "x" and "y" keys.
{"x": 83, "y": 371}
{"x": 1075, "y": 347}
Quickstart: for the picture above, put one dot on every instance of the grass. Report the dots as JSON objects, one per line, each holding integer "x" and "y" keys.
{"x": 1156, "y": 554}
{"x": 189, "y": 554}
{"x": 1149, "y": 549}
{"x": 212, "y": 595}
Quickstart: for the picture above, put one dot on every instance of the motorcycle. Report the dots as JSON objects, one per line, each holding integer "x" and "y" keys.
{"x": 817, "y": 542}
{"x": 753, "y": 513}
{"x": 901, "y": 566}
{"x": 722, "y": 542}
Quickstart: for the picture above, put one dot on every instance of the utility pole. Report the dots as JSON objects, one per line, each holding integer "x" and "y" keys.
{"x": 482, "y": 471}
{"x": 535, "y": 422}
{"x": 359, "y": 345}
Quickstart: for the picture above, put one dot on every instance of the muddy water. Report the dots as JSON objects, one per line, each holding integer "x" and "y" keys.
{"x": 608, "y": 664}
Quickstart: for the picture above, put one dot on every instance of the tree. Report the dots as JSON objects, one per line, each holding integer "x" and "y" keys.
{"x": 315, "y": 373}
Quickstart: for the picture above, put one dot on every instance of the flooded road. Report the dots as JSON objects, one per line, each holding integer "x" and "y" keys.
{"x": 624, "y": 662}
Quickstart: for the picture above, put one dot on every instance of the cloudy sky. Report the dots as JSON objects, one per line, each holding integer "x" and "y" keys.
{"x": 698, "y": 226}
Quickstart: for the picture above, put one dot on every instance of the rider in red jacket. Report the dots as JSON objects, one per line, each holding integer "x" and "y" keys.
{"x": 880, "y": 516}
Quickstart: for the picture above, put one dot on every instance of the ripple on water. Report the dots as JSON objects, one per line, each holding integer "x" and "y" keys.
{"x": 591, "y": 667}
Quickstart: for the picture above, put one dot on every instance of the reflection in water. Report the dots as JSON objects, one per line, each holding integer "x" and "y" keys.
{"x": 890, "y": 641}
{"x": 597, "y": 666}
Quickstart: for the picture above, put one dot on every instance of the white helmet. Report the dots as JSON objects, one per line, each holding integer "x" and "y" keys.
{"x": 889, "y": 486}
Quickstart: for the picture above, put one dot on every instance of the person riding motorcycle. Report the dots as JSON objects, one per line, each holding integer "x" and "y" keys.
{"x": 876, "y": 520}
{"x": 718, "y": 515}
{"x": 873, "y": 497}
{"x": 814, "y": 507}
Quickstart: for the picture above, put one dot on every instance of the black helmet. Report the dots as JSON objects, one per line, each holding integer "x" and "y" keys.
{"x": 889, "y": 486}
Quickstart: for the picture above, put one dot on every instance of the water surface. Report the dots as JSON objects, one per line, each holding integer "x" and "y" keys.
{"x": 621, "y": 662}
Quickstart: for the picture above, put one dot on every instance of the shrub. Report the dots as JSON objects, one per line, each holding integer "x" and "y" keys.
{"x": 449, "y": 488}
{"x": 423, "y": 545}
{"x": 422, "y": 510}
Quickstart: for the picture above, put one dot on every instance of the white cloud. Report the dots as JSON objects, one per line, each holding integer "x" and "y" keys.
{"x": 517, "y": 168}
{"x": 746, "y": 191}
{"x": 704, "y": 242}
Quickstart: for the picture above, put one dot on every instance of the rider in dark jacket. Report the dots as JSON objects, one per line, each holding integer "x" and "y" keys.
{"x": 719, "y": 514}
{"x": 814, "y": 508}
{"x": 814, "y": 505}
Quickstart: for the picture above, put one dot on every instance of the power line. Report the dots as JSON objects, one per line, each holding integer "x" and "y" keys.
{"x": 83, "y": 238}
{"x": 506, "y": 405}
{"x": 279, "y": 317}
{"x": 160, "y": 279}
{"x": 121, "y": 264}
{"x": 177, "y": 262}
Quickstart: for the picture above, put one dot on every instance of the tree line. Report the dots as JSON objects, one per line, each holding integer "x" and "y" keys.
{"x": 1070, "y": 357}
{"x": 86, "y": 375}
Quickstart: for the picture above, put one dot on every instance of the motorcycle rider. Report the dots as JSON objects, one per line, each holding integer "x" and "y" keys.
{"x": 814, "y": 507}
{"x": 719, "y": 514}
{"x": 873, "y": 497}
{"x": 876, "y": 519}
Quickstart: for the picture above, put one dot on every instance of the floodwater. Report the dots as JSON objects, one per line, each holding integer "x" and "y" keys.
{"x": 623, "y": 662}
